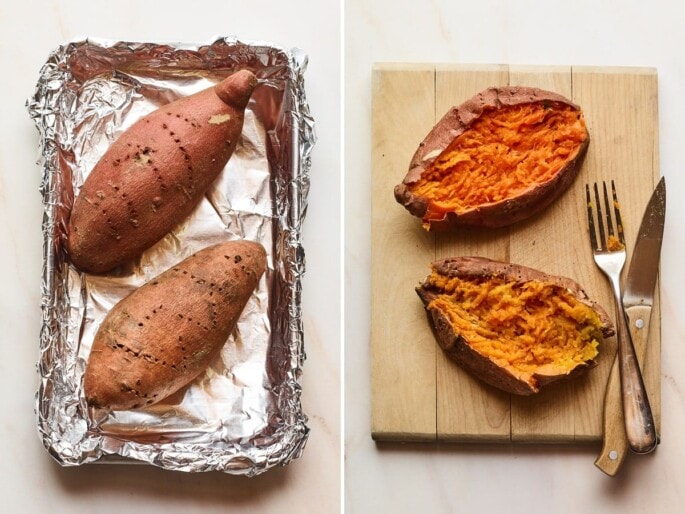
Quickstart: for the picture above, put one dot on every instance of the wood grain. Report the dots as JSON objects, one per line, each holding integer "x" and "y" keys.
{"x": 403, "y": 351}
{"x": 420, "y": 395}
{"x": 547, "y": 416}
{"x": 459, "y": 392}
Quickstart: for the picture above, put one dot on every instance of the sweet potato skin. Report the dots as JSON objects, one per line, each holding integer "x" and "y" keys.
{"x": 458, "y": 349}
{"x": 155, "y": 174}
{"x": 165, "y": 334}
{"x": 496, "y": 214}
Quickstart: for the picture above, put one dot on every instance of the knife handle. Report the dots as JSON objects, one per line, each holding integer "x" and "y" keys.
{"x": 615, "y": 441}
{"x": 637, "y": 412}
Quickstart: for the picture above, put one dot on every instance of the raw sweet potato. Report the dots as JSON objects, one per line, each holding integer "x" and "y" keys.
{"x": 155, "y": 173}
{"x": 511, "y": 326}
{"x": 498, "y": 158}
{"x": 164, "y": 334}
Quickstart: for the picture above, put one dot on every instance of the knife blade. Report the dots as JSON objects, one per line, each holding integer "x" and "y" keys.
{"x": 638, "y": 300}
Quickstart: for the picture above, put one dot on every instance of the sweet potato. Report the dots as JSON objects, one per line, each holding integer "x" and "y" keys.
{"x": 513, "y": 327}
{"x": 164, "y": 334}
{"x": 499, "y": 158}
{"x": 155, "y": 173}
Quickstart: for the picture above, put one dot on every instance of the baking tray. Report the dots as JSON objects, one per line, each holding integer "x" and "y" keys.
{"x": 244, "y": 415}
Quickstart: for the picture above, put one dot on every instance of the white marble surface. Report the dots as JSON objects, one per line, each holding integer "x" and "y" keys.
{"x": 31, "y": 481}
{"x": 483, "y": 479}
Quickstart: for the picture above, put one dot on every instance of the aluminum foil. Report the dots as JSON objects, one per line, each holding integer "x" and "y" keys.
{"x": 244, "y": 415}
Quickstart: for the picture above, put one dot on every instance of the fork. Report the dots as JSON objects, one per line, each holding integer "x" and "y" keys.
{"x": 609, "y": 251}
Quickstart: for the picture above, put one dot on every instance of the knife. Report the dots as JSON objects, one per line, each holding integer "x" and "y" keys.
{"x": 638, "y": 299}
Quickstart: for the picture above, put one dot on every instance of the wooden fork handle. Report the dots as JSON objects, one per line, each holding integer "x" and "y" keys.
{"x": 615, "y": 443}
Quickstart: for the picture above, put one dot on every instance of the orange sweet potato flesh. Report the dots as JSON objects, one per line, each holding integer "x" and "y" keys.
{"x": 167, "y": 332}
{"x": 513, "y": 327}
{"x": 154, "y": 175}
{"x": 498, "y": 158}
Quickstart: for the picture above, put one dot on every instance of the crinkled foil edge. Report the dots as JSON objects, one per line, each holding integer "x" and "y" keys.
{"x": 75, "y": 444}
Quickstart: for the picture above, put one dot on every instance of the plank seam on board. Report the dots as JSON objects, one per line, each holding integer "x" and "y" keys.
{"x": 435, "y": 256}
{"x": 573, "y": 96}
{"x": 508, "y": 259}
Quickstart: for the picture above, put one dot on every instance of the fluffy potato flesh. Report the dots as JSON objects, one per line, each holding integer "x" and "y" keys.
{"x": 504, "y": 153}
{"x": 530, "y": 329}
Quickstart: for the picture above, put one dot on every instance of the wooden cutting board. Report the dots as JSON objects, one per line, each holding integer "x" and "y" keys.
{"x": 420, "y": 395}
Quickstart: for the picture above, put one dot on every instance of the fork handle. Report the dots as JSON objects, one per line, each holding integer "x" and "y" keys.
{"x": 614, "y": 442}
{"x": 637, "y": 413}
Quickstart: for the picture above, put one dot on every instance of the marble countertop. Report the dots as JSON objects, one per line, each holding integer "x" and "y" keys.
{"x": 525, "y": 479}
{"x": 32, "y": 481}
{"x": 378, "y": 478}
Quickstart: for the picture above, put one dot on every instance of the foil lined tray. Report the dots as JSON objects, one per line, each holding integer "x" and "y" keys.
{"x": 243, "y": 416}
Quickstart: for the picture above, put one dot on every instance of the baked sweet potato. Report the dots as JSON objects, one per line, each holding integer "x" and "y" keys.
{"x": 155, "y": 173}
{"x": 516, "y": 328}
{"x": 500, "y": 157}
{"x": 164, "y": 334}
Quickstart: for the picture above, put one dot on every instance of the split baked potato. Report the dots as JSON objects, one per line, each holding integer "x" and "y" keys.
{"x": 502, "y": 156}
{"x": 513, "y": 327}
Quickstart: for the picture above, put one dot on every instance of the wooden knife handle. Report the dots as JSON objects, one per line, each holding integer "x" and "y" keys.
{"x": 615, "y": 445}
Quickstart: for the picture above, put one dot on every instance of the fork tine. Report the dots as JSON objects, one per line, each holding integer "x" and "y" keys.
{"x": 590, "y": 219}
{"x": 617, "y": 214}
{"x": 600, "y": 222}
{"x": 607, "y": 206}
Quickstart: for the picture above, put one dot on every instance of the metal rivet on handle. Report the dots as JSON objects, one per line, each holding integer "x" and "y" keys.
{"x": 613, "y": 455}
{"x": 639, "y": 323}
